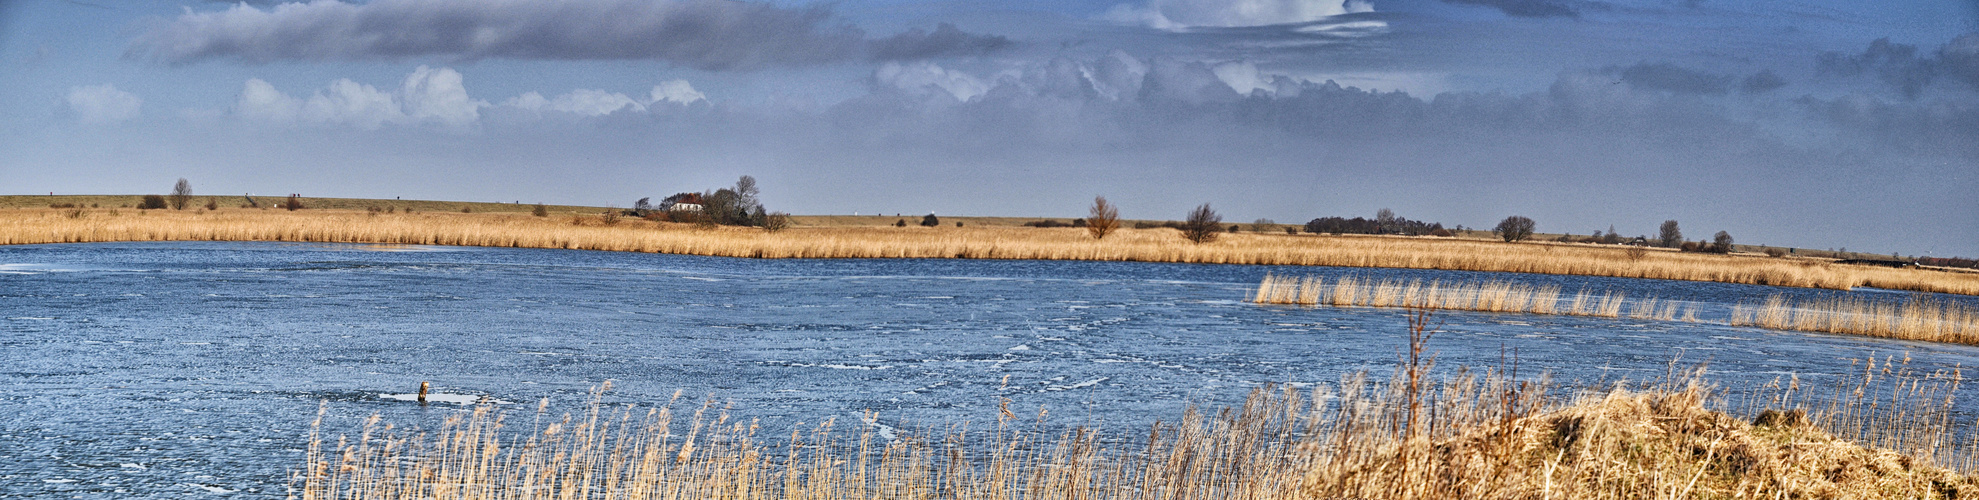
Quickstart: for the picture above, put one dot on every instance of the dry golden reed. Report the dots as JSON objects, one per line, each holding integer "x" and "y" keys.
{"x": 28, "y": 226}
{"x": 1468, "y": 435}
{"x": 1919, "y": 317}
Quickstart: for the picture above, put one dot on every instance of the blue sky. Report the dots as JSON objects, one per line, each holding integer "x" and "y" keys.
{"x": 1813, "y": 124}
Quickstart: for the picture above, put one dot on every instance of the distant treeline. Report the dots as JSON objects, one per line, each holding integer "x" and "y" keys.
{"x": 1949, "y": 262}
{"x": 1386, "y": 223}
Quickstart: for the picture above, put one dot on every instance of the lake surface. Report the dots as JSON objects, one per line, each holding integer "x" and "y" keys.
{"x": 194, "y": 369}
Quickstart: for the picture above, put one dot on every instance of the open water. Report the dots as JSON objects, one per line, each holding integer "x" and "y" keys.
{"x": 193, "y": 370}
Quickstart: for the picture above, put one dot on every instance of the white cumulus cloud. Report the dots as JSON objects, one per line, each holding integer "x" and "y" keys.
{"x": 923, "y": 77}
{"x": 428, "y": 95}
{"x": 103, "y": 104}
{"x": 592, "y": 102}
{"x": 1183, "y": 14}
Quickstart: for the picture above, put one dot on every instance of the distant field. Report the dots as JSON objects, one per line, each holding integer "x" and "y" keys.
{"x": 270, "y": 202}
{"x": 572, "y": 227}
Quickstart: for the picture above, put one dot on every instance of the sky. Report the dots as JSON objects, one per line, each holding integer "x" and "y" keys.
{"x": 1817, "y": 124}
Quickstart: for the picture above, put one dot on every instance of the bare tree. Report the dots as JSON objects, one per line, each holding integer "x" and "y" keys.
{"x": 1102, "y": 219}
{"x": 1514, "y": 228}
{"x": 1721, "y": 242}
{"x": 1384, "y": 221}
{"x": 1669, "y": 235}
{"x": 181, "y": 194}
{"x": 1203, "y": 224}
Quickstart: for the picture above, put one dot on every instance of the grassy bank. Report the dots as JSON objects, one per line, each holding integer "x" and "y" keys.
{"x": 1462, "y": 436}
{"x": 1915, "y": 318}
{"x": 978, "y": 241}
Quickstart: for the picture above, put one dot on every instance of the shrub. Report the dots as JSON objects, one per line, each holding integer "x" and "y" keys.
{"x": 1047, "y": 223}
{"x": 778, "y": 221}
{"x": 1442, "y": 233}
{"x": 900, "y": 223}
{"x": 61, "y": 205}
{"x": 212, "y": 204}
{"x": 958, "y": 223}
{"x": 1236, "y": 228}
{"x": 151, "y": 202}
{"x": 294, "y": 203}
{"x": 1775, "y": 252}
{"x": 930, "y": 221}
{"x": 1636, "y": 252}
{"x": 1202, "y": 225}
{"x": 1078, "y": 223}
{"x": 467, "y": 210}
{"x": 1688, "y": 246}
{"x": 1291, "y": 230}
{"x": 542, "y": 211}
{"x": 1102, "y": 218}
{"x": 610, "y": 217}
{"x": 75, "y": 213}
{"x": 1514, "y": 228}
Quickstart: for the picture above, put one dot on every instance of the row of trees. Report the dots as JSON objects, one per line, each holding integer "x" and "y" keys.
{"x": 730, "y": 206}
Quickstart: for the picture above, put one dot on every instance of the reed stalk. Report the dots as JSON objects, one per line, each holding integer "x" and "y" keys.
{"x": 1885, "y": 432}
{"x": 1919, "y": 317}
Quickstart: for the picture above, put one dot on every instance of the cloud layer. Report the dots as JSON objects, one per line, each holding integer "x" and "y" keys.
{"x": 428, "y": 95}
{"x": 102, "y": 104}
{"x": 704, "y": 34}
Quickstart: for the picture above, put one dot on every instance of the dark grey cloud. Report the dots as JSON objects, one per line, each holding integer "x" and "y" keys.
{"x": 1762, "y": 82}
{"x": 1671, "y": 78}
{"x": 1527, "y": 8}
{"x": 1905, "y": 68}
{"x": 945, "y": 40}
{"x": 704, "y": 34}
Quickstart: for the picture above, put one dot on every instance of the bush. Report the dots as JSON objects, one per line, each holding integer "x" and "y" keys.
{"x": 467, "y": 210}
{"x": 1775, "y": 252}
{"x": 294, "y": 203}
{"x": 610, "y": 217}
{"x": 1688, "y": 246}
{"x": 1442, "y": 233}
{"x": 1514, "y": 228}
{"x": 152, "y": 202}
{"x": 212, "y": 204}
{"x": 900, "y": 223}
{"x": 778, "y": 221}
{"x": 1046, "y": 223}
{"x": 1291, "y": 230}
{"x": 930, "y": 221}
{"x": 1202, "y": 225}
{"x": 1102, "y": 218}
{"x": 542, "y": 211}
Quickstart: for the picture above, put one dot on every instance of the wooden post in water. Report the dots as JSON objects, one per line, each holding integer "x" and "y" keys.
{"x": 422, "y": 392}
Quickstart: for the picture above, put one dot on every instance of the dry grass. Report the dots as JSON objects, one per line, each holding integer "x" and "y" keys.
{"x": 1916, "y": 318}
{"x": 516, "y": 229}
{"x": 1466, "y": 435}
{"x": 1490, "y": 296}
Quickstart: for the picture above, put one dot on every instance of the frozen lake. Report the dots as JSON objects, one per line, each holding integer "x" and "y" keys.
{"x": 194, "y": 369}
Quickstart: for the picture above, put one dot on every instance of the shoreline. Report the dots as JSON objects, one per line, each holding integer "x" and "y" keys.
{"x": 586, "y": 232}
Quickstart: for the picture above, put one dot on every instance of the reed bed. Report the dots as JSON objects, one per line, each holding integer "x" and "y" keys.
{"x": 30, "y": 226}
{"x": 1468, "y": 434}
{"x": 1488, "y": 296}
{"x": 1919, "y": 317}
